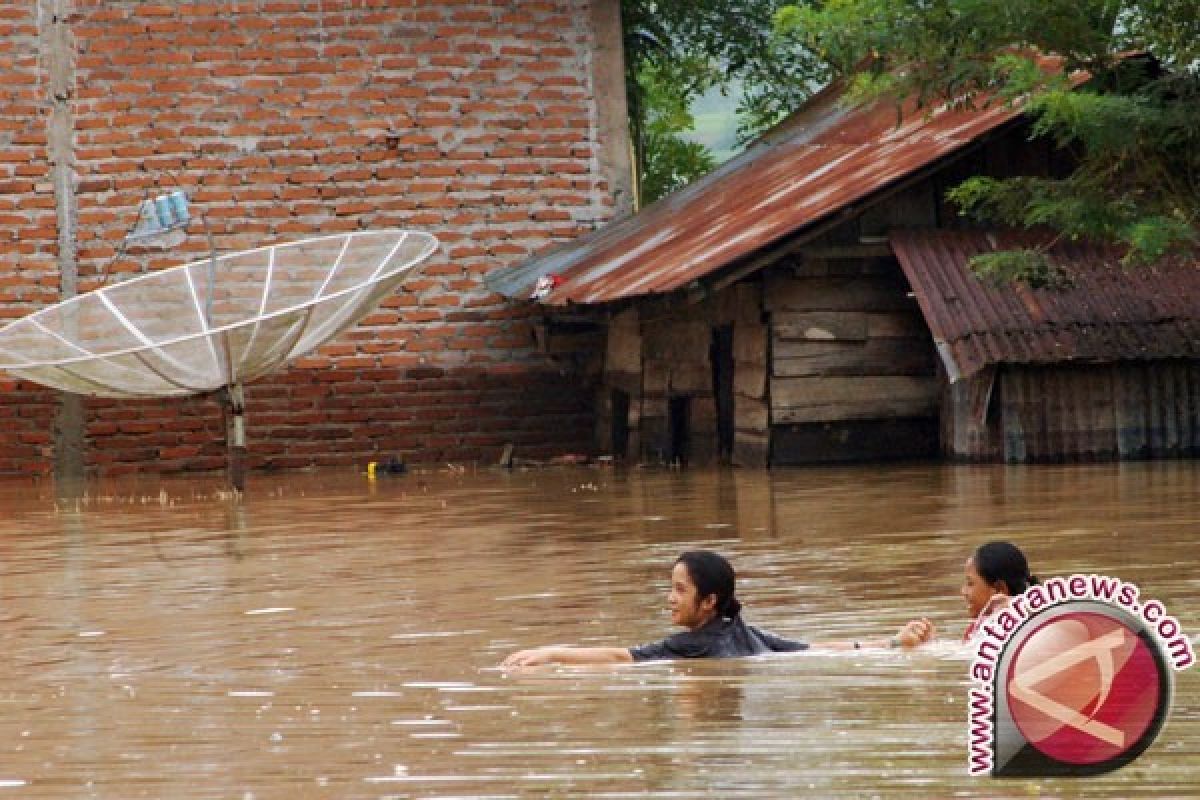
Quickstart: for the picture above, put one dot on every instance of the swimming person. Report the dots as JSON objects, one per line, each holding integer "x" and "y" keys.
{"x": 993, "y": 574}
{"x": 702, "y": 600}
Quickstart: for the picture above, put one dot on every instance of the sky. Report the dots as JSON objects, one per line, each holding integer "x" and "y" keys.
{"x": 716, "y": 123}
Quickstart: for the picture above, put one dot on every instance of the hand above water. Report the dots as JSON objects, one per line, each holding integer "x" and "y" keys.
{"x": 534, "y": 657}
{"x": 915, "y": 632}
{"x": 563, "y": 654}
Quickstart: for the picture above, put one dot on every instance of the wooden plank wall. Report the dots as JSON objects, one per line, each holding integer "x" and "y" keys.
{"x": 659, "y": 349}
{"x": 1131, "y": 410}
{"x": 970, "y": 427}
{"x": 675, "y": 364}
{"x": 752, "y": 413}
{"x": 623, "y": 373}
{"x": 675, "y": 349}
{"x": 1157, "y": 409}
{"x": 849, "y": 353}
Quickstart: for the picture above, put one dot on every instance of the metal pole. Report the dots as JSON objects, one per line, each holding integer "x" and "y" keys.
{"x": 234, "y": 403}
{"x": 58, "y": 49}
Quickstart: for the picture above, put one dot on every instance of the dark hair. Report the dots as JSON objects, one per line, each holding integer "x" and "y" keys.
{"x": 1003, "y": 561}
{"x": 712, "y": 574}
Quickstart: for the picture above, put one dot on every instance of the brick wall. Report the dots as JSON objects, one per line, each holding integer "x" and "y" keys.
{"x": 29, "y": 275}
{"x": 472, "y": 120}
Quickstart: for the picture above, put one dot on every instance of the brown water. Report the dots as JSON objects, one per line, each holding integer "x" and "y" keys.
{"x": 334, "y": 637}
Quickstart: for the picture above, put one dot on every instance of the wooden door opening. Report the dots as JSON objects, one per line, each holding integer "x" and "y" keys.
{"x": 619, "y": 425}
{"x": 721, "y": 357}
{"x": 679, "y": 411}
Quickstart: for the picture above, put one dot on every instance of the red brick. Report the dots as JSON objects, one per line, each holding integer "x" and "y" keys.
{"x": 309, "y": 145}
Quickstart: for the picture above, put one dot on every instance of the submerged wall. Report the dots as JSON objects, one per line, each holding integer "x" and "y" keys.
{"x": 684, "y": 380}
{"x": 853, "y": 373}
{"x": 1076, "y": 412}
{"x": 476, "y": 121}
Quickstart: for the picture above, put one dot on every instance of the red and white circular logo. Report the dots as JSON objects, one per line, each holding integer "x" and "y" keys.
{"x": 1086, "y": 689}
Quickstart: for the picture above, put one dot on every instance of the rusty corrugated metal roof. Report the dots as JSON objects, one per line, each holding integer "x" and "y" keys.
{"x": 823, "y": 159}
{"x": 1109, "y": 313}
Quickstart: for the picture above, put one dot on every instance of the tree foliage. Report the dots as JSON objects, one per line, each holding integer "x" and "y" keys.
{"x": 675, "y": 50}
{"x": 1132, "y": 131}
{"x": 669, "y": 160}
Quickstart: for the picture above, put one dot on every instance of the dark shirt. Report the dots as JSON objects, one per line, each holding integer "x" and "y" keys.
{"x": 717, "y": 638}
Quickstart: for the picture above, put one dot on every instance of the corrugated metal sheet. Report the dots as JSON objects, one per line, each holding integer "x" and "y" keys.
{"x": 1110, "y": 313}
{"x": 1100, "y": 412}
{"x": 823, "y": 159}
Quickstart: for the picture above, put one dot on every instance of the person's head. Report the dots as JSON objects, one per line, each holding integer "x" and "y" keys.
{"x": 702, "y": 586}
{"x": 996, "y": 568}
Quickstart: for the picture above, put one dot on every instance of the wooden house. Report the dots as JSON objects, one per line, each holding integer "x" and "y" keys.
{"x": 812, "y": 301}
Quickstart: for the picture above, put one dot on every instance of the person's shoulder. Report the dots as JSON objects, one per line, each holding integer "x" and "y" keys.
{"x": 684, "y": 644}
{"x": 691, "y": 644}
{"x": 775, "y": 643}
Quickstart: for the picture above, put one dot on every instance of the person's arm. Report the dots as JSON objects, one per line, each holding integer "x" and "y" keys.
{"x": 914, "y": 633}
{"x": 559, "y": 654}
{"x": 779, "y": 644}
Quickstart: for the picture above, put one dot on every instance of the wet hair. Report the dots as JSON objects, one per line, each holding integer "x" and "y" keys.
{"x": 1003, "y": 561}
{"x": 712, "y": 574}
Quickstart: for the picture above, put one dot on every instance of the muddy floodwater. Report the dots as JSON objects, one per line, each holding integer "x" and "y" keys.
{"x": 337, "y": 637}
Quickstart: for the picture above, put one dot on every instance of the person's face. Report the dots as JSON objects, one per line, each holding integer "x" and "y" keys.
{"x": 976, "y": 591}
{"x": 687, "y": 609}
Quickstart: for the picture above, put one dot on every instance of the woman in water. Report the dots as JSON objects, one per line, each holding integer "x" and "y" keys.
{"x": 993, "y": 574}
{"x": 702, "y": 600}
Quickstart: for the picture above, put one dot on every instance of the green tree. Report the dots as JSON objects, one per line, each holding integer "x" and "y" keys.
{"x": 1132, "y": 131}
{"x": 668, "y": 161}
{"x": 675, "y": 50}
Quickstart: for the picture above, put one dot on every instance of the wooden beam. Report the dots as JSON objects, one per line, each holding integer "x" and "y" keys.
{"x": 847, "y": 251}
{"x": 751, "y": 414}
{"x": 623, "y": 350}
{"x": 817, "y": 399}
{"x": 819, "y": 325}
{"x": 866, "y": 293}
{"x": 849, "y": 325}
{"x": 750, "y": 380}
{"x": 750, "y": 344}
{"x": 751, "y": 449}
{"x": 871, "y": 357}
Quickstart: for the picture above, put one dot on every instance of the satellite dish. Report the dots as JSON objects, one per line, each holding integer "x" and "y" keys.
{"x": 201, "y": 326}
{"x": 214, "y": 324}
